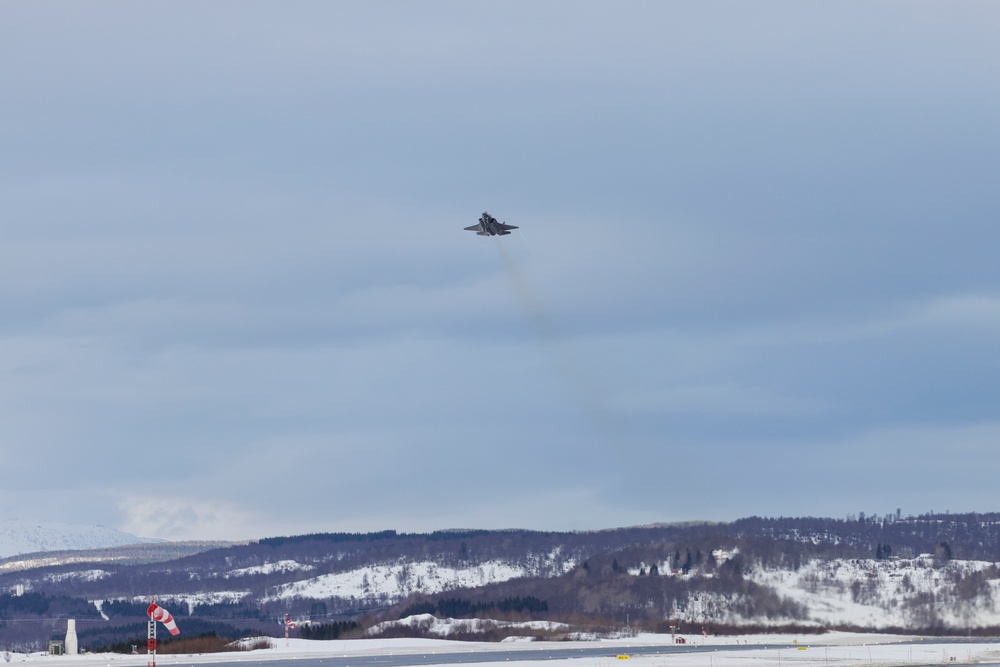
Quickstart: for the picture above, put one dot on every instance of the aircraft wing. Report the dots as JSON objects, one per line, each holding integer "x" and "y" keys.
{"x": 505, "y": 227}
{"x": 473, "y": 228}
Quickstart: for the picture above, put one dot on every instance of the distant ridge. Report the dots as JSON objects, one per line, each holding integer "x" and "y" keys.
{"x": 927, "y": 574}
{"x": 20, "y": 536}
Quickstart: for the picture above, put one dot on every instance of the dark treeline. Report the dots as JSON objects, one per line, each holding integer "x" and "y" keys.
{"x": 335, "y": 538}
{"x": 121, "y": 638}
{"x": 206, "y": 642}
{"x": 34, "y": 605}
{"x": 327, "y": 630}
{"x": 971, "y": 536}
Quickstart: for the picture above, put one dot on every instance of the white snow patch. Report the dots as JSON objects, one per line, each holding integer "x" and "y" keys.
{"x": 82, "y": 575}
{"x": 99, "y": 605}
{"x": 398, "y": 580}
{"x": 722, "y": 555}
{"x": 445, "y": 627}
{"x": 269, "y": 568}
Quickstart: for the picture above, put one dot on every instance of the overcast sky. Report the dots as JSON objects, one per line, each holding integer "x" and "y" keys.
{"x": 757, "y": 268}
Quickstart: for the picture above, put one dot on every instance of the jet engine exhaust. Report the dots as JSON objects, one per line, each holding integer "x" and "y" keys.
{"x": 559, "y": 357}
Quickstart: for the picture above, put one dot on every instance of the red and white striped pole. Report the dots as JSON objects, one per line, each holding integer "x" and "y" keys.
{"x": 151, "y": 639}
{"x": 157, "y": 613}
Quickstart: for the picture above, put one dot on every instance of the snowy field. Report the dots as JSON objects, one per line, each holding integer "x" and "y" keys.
{"x": 830, "y": 650}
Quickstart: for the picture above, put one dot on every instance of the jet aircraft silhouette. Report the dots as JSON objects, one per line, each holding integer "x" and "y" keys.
{"x": 488, "y": 226}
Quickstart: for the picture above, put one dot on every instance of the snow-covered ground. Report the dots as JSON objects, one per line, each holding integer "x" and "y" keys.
{"x": 82, "y": 575}
{"x": 830, "y": 650}
{"x": 397, "y": 580}
{"x": 899, "y": 592}
{"x": 891, "y": 593}
{"x": 268, "y": 568}
{"x": 446, "y": 627}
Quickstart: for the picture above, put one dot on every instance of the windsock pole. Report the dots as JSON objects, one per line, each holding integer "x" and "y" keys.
{"x": 151, "y": 640}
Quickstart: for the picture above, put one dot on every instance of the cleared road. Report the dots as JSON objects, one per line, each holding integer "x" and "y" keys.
{"x": 487, "y": 655}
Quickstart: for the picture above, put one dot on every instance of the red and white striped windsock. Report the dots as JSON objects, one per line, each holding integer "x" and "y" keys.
{"x": 158, "y": 613}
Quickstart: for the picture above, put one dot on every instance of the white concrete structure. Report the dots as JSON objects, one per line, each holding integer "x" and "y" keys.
{"x": 71, "y": 645}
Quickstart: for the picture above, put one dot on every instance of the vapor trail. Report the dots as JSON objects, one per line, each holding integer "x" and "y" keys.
{"x": 529, "y": 303}
{"x": 560, "y": 359}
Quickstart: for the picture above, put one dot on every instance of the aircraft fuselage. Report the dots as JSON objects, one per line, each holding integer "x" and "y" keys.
{"x": 489, "y": 226}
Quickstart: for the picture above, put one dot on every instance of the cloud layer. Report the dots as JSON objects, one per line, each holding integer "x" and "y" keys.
{"x": 755, "y": 268}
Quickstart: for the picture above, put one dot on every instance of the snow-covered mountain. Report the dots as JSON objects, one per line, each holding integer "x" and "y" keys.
{"x": 21, "y": 537}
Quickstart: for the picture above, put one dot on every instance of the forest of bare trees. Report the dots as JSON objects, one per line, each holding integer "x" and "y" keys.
{"x": 640, "y": 576}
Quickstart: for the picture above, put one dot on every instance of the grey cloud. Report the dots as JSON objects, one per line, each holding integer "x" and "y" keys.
{"x": 759, "y": 238}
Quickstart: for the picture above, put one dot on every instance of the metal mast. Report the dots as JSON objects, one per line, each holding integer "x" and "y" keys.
{"x": 151, "y": 640}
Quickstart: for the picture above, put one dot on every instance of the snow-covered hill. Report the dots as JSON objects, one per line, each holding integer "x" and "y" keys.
{"x": 395, "y": 581}
{"x": 705, "y": 578}
{"x": 884, "y": 594}
{"x": 22, "y": 537}
{"x": 906, "y": 592}
{"x": 916, "y": 592}
{"x": 381, "y": 584}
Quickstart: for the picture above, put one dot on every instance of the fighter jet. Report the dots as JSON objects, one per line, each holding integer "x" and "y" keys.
{"x": 488, "y": 226}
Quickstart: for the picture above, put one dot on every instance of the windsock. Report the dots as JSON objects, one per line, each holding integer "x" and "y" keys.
{"x": 289, "y": 622}
{"x": 158, "y": 613}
